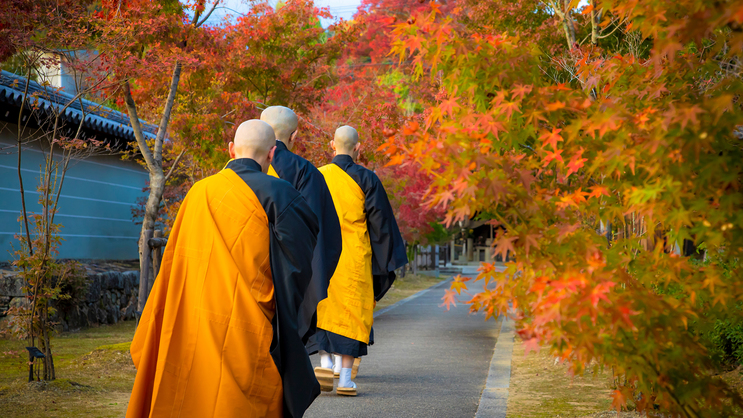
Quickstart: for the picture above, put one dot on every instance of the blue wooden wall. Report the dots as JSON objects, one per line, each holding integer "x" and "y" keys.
{"x": 95, "y": 208}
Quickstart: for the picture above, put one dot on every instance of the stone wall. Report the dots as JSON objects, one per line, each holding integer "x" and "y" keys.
{"x": 111, "y": 297}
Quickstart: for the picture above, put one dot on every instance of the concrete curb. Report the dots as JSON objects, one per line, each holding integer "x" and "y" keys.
{"x": 494, "y": 399}
{"x": 409, "y": 298}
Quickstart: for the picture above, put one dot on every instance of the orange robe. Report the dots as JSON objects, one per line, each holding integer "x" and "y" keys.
{"x": 203, "y": 344}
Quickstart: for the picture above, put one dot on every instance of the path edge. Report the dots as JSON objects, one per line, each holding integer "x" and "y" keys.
{"x": 409, "y": 298}
{"x": 494, "y": 398}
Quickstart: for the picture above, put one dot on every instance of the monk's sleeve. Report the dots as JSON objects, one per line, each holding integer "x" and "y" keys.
{"x": 388, "y": 248}
{"x": 293, "y": 239}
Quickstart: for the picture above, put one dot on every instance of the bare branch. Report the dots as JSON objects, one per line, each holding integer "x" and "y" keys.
{"x": 20, "y": 177}
{"x": 175, "y": 164}
{"x": 162, "y": 129}
{"x": 206, "y": 17}
{"x": 136, "y": 127}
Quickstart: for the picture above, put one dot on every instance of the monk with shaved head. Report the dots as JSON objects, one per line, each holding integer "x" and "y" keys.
{"x": 372, "y": 249}
{"x": 301, "y": 174}
{"x": 219, "y": 336}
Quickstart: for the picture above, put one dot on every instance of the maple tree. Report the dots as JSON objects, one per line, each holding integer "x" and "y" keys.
{"x": 604, "y": 135}
{"x": 375, "y": 94}
{"x": 33, "y": 33}
{"x": 265, "y": 56}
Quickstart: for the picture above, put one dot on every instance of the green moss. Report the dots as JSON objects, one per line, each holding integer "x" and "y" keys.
{"x": 116, "y": 347}
{"x": 94, "y": 375}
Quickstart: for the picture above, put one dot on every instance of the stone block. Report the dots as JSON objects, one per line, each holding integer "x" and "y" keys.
{"x": 104, "y": 279}
{"x": 128, "y": 284}
{"x": 18, "y": 302}
{"x": 115, "y": 280}
{"x": 4, "y": 304}
{"x": 92, "y": 315}
{"x": 94, "y": 288}
{"x": 84, "y": 322}
{"x": 11, "y": 286}
{"x": 128, "y": 312}
{"x": 102, "y": 315}
{"x": 112, "y": 315}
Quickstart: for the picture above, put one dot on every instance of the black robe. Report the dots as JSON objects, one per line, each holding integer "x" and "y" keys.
{"x": 294, "y": 228}
{"x": 310, "y": 183}
{"x": 388, "y": 247}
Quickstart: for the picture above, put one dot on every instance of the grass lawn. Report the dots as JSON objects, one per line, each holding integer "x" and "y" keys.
{"x": 407, "y": 286}
{"x": 540, "y": 388}
{"x": 94, "y": 370}
{"x": 94, "y": 375}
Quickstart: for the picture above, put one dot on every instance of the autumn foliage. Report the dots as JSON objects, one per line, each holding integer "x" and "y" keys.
{"x": 556, "y": 147}
{"x": 601, "y": 138}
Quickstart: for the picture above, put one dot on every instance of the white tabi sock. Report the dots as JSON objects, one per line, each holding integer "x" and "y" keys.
{"x": 337, "y": 364}
{"x": 345, "y": 379}
{"x": 326, "y": 361}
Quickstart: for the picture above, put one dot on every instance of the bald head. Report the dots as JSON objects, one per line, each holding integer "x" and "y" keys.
{"x": 283, "y": 121}
{"x": 254, "y": 139}
{"x": 346, "y": 141}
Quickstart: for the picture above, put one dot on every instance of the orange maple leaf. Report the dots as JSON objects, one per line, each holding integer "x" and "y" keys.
{"x": 450, "y": 298}
{"x": 619, "y": 400}
{"x": 459, "y": 284}
{"x": 503, "y": 245}
{"x": 519, "y": 91}
{"x": 597, "y": 191}
{"x": 509, "y": 107}
{"x": 532, "y": 344}
{"x": 551, "y": 138}
{"x": 411, "y": 128}
{"x": 552, "y": 156}
{"x": 555, "y": 106}
{"x": 448, "y": 106}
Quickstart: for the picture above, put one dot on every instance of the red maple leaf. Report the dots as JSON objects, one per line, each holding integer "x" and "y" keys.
{"x": 576, "y": 162}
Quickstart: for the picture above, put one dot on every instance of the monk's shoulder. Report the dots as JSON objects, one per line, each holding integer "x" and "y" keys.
{"x": 275, "y": 194}
{"x": 365, "y": 178}
{"x": 296, "y": 170}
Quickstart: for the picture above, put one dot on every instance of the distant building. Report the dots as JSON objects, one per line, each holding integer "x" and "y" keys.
{"x": 95, "y": 207}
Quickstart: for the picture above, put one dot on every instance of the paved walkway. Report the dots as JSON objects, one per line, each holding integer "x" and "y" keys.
{"x": 426, "y": 362}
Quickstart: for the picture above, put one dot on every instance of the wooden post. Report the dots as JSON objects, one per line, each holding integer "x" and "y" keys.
{"x": 415, "y": 259}
{"x": 30, "y": 367}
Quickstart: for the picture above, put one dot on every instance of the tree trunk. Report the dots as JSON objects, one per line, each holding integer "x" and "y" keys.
{"x": 562, "y": 10}
{"x": 154, "y": 160}
{"x": 595, "y": 20}
{"x": 48, "y": 359}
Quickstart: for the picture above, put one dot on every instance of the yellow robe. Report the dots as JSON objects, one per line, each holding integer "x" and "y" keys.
{"x": 349, "y": 307}
{"x": 202, "y": 345}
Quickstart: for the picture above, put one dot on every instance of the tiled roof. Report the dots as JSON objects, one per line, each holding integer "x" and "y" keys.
{"x": 97, "y": 117}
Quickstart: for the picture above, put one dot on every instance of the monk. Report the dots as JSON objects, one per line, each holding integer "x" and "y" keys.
{"x": 372, "y": 249}
{"x": 219, "y": 334}
{"x": 301, "y": 174}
